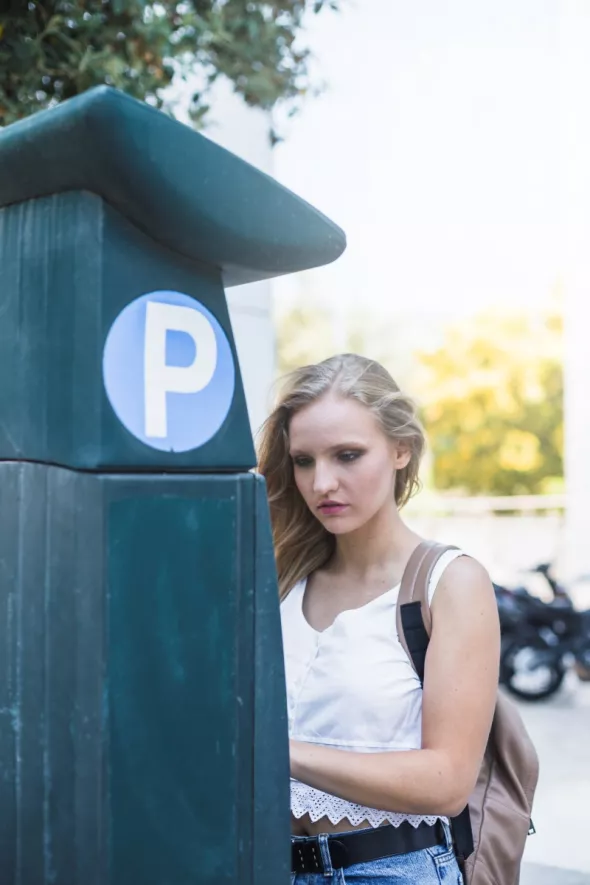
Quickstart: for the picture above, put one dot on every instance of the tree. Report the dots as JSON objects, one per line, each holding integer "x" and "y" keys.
{"x": 493, "y": 405}
{"x": 51, "y": 50}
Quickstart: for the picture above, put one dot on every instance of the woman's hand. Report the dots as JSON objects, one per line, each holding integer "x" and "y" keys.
{"x": 460, "y": 686}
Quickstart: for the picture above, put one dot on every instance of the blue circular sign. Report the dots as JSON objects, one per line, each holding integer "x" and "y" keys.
{"x": 168, "y": 371}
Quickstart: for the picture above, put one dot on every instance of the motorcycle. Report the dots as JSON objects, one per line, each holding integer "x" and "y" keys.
{"x": 540, "y": 640}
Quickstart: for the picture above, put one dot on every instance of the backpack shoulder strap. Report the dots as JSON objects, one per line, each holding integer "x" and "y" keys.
{"x": 413, "y": 619}
{"x": 414, "y": 625}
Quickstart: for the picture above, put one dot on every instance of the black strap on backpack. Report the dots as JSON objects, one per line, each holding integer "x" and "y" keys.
{"x": 415, "y": 637}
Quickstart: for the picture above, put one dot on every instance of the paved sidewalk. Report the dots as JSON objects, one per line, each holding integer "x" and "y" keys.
{"x": 559, "y": 852}
{"x": 538, "y": 874}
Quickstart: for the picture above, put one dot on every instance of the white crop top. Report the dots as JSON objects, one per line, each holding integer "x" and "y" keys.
{"x": 352, "y": 687}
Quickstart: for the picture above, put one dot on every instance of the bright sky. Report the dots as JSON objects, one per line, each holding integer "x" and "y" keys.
{"x": 436, "y": 148}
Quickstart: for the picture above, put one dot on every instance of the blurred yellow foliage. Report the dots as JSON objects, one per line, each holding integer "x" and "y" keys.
{"x": 491, "y": 394}
{"x": 492, "y": 397}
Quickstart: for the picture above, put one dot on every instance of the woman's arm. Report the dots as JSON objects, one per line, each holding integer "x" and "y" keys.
{"x": 460, "y": 685}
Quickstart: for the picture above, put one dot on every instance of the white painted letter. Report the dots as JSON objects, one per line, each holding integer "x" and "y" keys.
{"x": 160, "y": 379}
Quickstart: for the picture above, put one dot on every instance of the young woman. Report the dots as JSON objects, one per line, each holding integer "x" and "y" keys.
{"x": 377, "y": 765}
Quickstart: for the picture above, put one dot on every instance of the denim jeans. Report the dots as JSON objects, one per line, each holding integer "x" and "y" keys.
{"x": 429, "y": 866}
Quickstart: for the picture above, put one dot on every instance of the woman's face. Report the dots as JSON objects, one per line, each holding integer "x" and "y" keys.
{"x": 344, "y": 464}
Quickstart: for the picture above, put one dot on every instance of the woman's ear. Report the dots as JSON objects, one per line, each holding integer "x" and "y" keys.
{"x": 402, "y": 455}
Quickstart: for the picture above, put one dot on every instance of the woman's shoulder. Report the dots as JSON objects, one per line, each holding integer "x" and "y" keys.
{"x": 464, "y": 567}
{"x": 461, "y": 575}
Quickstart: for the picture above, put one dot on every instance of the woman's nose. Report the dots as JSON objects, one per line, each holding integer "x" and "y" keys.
{"x": 324, "y": 480}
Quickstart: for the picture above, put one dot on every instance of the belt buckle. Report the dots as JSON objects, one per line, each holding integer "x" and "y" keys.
{"x": 306, "y": 857}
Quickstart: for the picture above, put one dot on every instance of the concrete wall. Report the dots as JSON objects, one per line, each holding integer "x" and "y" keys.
{"x": 509, "y": 545}
{"x": 506, "y": 545}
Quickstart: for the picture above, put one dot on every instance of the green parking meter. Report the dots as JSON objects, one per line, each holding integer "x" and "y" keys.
{"x": 142, "y": 717}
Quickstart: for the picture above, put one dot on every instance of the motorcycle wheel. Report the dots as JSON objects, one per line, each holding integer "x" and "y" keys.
{"x": 525, "y": 676}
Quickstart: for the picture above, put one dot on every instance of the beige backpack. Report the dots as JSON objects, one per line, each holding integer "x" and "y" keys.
{"x": 490, "y": 834}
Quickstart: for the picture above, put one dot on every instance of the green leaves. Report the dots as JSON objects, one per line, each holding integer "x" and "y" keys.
{"x": 54, "y": 49}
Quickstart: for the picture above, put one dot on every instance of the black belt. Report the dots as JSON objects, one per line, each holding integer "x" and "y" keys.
{"x": 360, "y": 846}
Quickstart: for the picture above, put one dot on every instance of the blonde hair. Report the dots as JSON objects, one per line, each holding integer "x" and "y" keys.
{"x": 301, "y": 543}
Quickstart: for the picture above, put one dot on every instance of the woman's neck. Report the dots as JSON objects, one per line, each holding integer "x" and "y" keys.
{"x": 383, "y": 544}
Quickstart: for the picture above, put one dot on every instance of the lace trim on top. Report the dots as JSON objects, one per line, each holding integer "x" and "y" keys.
{"x": 308, "y": 800}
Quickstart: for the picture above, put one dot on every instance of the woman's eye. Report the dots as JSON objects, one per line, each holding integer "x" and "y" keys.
{"x": 349, "y": 456}
{"x": 301, "y": 461}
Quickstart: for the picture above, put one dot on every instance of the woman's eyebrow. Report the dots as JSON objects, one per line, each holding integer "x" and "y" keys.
{"x": 347, "y": 445}
{"x": 335, "y": 448}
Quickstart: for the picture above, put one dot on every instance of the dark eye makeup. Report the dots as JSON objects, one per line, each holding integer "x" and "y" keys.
{"x": 346, "y": 456}
{"x": 349, "y": 455}
{"x": 302, "y": 461}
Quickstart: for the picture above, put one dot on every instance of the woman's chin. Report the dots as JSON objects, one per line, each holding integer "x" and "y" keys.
{"x": 340, "y": 525}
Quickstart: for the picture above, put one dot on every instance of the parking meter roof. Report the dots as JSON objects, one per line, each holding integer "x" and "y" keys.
{"x": 176, "y": 185}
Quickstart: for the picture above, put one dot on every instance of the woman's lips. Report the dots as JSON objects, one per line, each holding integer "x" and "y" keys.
{"x": 331, "y": 508}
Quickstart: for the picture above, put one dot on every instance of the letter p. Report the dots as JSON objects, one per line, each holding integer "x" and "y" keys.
{"x": 160, "y": 378}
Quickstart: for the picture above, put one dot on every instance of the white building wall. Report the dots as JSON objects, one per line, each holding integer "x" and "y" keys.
{"x": 575, "y": 225}
{"x": 244, "y": 131}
